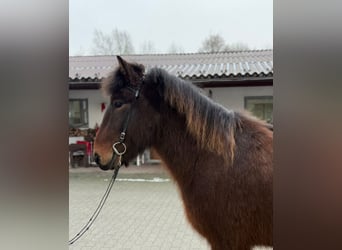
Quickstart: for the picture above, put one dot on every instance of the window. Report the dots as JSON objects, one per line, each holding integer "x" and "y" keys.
{"x": 78, "y": 112}
{"x": 210, "y": 94}
{"x": 260, "y": 106}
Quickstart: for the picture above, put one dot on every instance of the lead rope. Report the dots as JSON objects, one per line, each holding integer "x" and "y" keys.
{"x": 119, "y": 154}
{"x": 98, "y": 209}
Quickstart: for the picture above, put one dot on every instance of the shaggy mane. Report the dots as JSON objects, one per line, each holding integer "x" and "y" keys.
{"x": 212, "y": 125}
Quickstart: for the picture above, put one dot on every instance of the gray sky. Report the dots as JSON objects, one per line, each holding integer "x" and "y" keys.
{"x": 183, "y": 22}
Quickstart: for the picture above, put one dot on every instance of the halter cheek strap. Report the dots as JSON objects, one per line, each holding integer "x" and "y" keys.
{"x": 117, "y": 151}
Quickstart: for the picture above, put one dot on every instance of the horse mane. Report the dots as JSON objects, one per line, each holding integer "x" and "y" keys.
{"x": 212, "y": 125}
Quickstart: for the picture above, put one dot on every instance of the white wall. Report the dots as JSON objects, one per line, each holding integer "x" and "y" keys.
{"x": 230, "y": 97}
{"x": 234, "y": 97}
{"x": 95, "y": 98}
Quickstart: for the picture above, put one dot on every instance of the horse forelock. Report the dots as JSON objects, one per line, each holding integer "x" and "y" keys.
{"x": 116, "y": 79}
{"x": 209, "y": 123}
{"x": 113, "y": 83}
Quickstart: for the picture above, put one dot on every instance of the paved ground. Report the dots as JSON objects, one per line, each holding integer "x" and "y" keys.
{"x": 138, "y": 214}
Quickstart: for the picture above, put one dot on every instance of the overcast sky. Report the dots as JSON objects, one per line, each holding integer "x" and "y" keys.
{"x": 183, "y": 22}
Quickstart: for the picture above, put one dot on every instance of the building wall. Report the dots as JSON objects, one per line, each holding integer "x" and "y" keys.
{"x": 234, "y": 97}
{"x": 95, "y": 98}
{"x": 229, "y": 97}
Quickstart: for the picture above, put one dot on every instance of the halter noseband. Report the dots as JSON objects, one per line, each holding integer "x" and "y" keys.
{"x": 117, "y": 152}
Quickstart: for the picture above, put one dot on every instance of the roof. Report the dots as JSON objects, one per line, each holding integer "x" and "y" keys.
{"x": 250, "y": 63}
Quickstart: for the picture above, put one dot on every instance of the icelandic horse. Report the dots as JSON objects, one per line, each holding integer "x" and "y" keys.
{"x": 221, "y": 160}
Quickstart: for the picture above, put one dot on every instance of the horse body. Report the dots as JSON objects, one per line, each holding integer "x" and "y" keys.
{"x": 229, "y": 204}
{"x": 221, "y": 160}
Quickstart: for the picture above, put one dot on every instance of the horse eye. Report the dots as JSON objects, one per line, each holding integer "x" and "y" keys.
{"x": 117, "y": 104}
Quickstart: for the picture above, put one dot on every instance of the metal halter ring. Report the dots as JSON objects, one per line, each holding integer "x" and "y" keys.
{"x": 117, "y": 151}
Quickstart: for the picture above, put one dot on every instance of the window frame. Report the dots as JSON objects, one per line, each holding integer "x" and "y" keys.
{"x": 83, "y": 124}
{"x": 267, "y": 97}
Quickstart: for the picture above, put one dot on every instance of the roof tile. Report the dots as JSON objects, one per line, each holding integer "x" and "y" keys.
{"x": 192, "y": 65}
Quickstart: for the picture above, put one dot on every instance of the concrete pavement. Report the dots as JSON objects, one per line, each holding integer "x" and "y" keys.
{"x": 137, "y": 214}
{"x": 143, "y": 211}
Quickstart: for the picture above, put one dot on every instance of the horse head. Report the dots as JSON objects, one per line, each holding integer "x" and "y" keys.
{"x": 129, "y": 121}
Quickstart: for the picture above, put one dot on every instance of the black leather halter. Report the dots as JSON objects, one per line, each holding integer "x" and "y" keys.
{"x": 117, "y": 151}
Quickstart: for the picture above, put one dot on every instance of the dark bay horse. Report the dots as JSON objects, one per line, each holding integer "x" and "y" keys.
{"x": 221, "y": 160}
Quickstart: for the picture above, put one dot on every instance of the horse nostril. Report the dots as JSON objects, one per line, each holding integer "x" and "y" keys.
{"x": 97, "y": 158}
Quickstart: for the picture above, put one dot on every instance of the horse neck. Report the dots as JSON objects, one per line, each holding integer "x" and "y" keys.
{"x": 177, "y": 148}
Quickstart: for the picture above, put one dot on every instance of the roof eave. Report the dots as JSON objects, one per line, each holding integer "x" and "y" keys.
{"x": 242, "y": 81}
{"x": 84, "y": 85}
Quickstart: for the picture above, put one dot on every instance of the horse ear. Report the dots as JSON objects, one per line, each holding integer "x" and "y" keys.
{"x": 124, "y": 67}
{"x": 132, "y": 72}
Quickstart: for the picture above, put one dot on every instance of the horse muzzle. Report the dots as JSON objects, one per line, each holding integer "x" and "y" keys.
{"x": 107, "y": 166}
{"x": 104, "y": 167}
